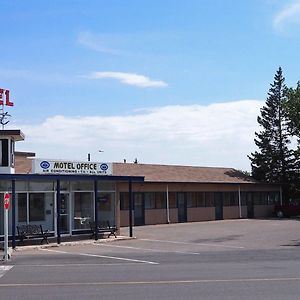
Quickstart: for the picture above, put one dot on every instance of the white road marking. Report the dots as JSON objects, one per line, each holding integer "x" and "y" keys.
{"x": 194, "y": 244}
{"x": 103, "y": 256}
{"x": 78, "y": 265}
{"x": 155, "y": 282}
{"x": 4, "y": 269}
{"x": 151, "y": 250}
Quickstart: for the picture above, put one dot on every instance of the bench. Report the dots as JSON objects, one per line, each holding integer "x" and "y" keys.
{"x": 31, "y": 232}
{"x": 102, "y": 228}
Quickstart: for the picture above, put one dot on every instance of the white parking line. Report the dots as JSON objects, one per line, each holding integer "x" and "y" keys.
{"x": 194, "y": 244}
{"x": 103, "y": 256}
{"x": 151, "y": 250}
{"x": 76, "y": 265}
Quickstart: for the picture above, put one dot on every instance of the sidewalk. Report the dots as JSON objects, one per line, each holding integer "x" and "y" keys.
{"x": 69, "y": 241}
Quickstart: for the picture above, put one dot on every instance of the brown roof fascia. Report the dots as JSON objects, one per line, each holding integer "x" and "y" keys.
{"x": 17, "y": 134}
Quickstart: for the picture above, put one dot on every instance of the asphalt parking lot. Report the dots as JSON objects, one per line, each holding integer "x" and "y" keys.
{"x": 232, "y": 259}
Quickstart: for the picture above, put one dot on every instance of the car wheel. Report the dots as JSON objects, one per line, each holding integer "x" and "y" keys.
{"x": 279, "y": 214}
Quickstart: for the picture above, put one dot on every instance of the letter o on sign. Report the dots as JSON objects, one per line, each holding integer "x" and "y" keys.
{"x": 6, "y": 200}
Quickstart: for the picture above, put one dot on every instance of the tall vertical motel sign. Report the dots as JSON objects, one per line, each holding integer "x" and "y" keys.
{"x": 4, "y": 100}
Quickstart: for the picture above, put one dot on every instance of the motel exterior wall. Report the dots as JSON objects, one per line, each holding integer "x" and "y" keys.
{"x": 176, "y": 180}
{"x": 196, "y": 214}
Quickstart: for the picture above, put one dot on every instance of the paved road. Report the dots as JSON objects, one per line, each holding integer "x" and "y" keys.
{"x": 241, "y": 259}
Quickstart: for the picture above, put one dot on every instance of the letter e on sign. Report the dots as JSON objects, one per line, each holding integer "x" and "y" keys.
{"x": 6, "y": 200}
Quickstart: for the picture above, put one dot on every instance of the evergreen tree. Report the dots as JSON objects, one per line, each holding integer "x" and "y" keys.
{"x": 292, "y": 106}
{"x": 273, "y": 163}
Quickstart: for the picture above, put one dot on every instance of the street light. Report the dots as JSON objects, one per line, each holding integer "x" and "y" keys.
{"x": 89, "y": 154}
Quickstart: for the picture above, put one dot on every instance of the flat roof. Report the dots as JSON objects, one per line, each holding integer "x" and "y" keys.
{"x": 51, "y": 177}
{"x": 15, "y": 134}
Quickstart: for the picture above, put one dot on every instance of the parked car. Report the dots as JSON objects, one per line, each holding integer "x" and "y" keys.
{"x": 291, "y": 209}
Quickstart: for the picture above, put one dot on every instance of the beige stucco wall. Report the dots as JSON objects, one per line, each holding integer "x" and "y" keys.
{"x": 200, "y": 214}
{"x": 124, "y": 218}
{"x": 155, "y": 216}
{"x": 261, "y": 211}
{"x": 244, "y": 212}
{"x": 231, "y": 212}
{"x": 173, "y": 215}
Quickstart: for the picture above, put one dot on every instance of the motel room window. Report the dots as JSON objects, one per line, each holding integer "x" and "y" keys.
{"x": 36, "y": 207}
{"x": 257, "y": 198}
{"x": 149, "y": 200}
{"x": 243, "y": 198}
{"x": 273, "y": 198}
{"x": 191, "y": 199}
{"x": 22, "y": 207}
{"x": 172, "y": 200}
{"x": 200, "y": 199}
{"x": 209, "y": 199}
{"x": 124, "y": 201}
{"x": 264, "y": 198}
{"x": 230, "y": 199}
{"x": 160, "y": 200}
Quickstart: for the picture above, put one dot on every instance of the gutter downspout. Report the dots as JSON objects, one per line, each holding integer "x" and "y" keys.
{"x": 240, "y": 206}
{"x": 168, "y": 207}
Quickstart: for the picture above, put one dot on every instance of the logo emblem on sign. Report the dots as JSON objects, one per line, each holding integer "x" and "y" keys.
{"x": 104, "y": 167}
{"x": 44, "y": 164}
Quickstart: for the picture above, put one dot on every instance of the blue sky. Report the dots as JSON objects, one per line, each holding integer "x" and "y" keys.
{"x": 101, "y": 67}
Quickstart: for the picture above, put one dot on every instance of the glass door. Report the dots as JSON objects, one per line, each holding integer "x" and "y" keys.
{"x": 139, "y": 210}
{"x": 182, "y": 207}
{"x": 218, "y": 206}
{"x": 250, "y": 206}
{"x": 64, "y": 213}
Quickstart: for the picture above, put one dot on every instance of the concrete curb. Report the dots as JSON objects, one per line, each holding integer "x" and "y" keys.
{"x": 72, "y": 243}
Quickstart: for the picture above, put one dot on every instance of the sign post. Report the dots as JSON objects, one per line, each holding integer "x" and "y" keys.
{"x": 6, "y": 207}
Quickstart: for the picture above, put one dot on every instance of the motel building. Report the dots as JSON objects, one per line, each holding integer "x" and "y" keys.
{"x": 64, "y": 196}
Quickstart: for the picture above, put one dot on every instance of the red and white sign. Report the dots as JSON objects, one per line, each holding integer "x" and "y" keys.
{"x": 5, "y": 94}
{"x": 6, "y": 200}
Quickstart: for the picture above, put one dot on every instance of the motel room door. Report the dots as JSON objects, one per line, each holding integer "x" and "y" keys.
{"x": 182, "y": 207}
{"x": 250, "y": 206}
{"x": 218, "y": 206}
{"x": 139, "y": 209}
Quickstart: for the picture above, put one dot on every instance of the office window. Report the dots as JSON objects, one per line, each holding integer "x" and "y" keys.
{"x": 22, "y": 207}
{"x": 83, "y": 210}
{"x": 36, "y": 207}
{"x": 4, "y": 152}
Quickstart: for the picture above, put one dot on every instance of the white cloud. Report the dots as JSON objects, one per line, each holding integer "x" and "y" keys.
{"x": 290, "y": 14}
{"x": 128, "y": 78}
{"x": 97, "y": 42}
{"x": 219, "y": 134}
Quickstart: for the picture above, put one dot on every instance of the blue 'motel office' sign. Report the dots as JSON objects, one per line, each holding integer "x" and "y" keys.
{"x": 49, "y": 166}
